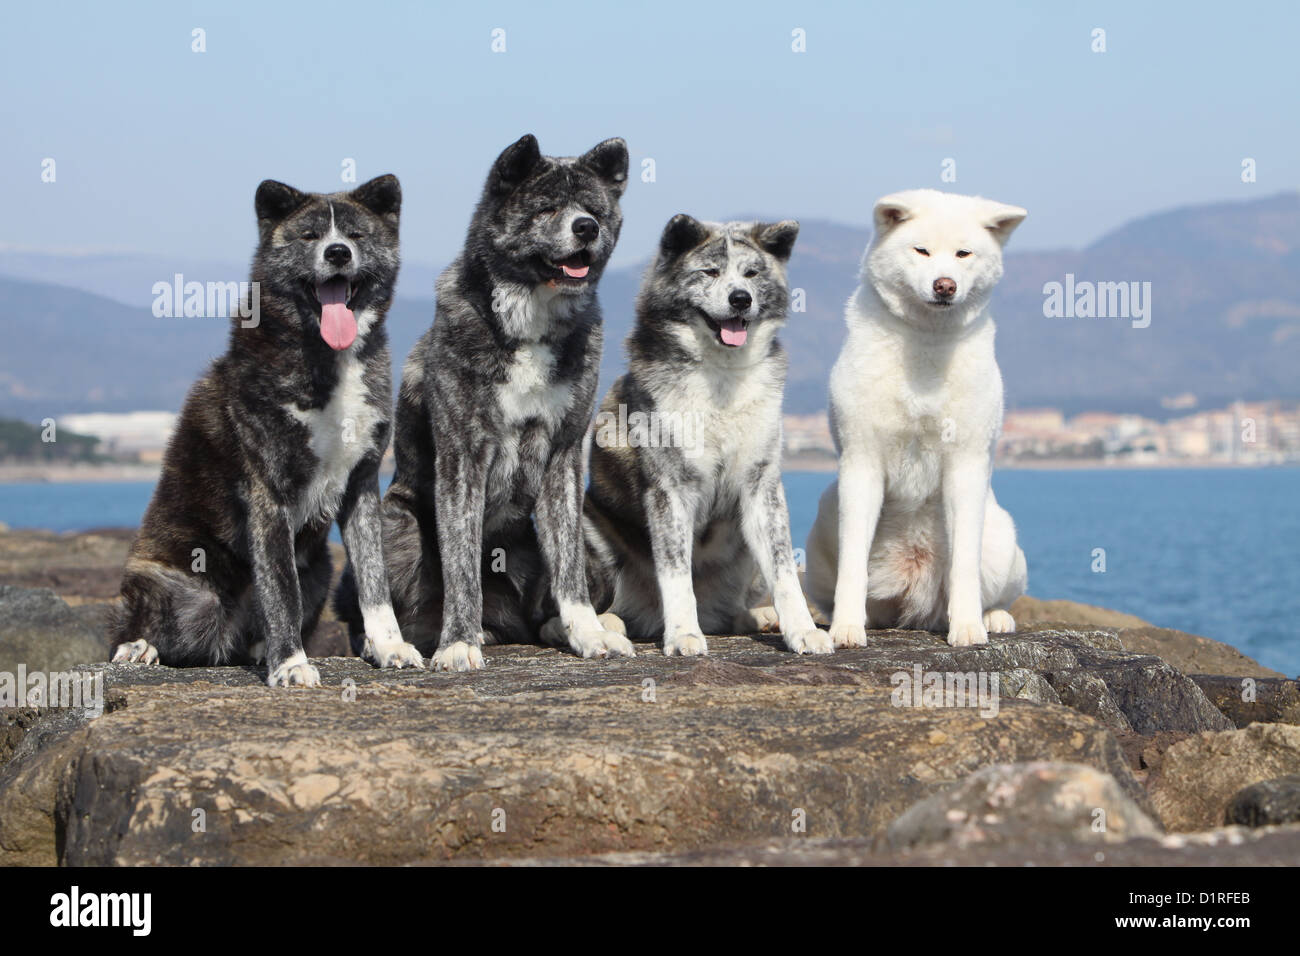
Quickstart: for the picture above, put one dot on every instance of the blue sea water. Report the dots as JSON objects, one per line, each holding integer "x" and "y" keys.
{"x": 1215, "y": 551}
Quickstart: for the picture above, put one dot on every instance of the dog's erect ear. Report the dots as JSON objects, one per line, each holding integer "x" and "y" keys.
{"x": 275, "y": 200}
{"x": 514, "y": 164}
{"x": 382, "y": 195}
{"x": 1001, "y": 220}
{"x": 682, "y": 234}
{"x": 608, "y": 160}
{"x": 777, "y": 238}
{"x": 890, "y": 211}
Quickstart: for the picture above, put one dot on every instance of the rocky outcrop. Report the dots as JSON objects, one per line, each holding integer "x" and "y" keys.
{"x": 543, "y": 754}
{"x": 540, "y": 754}
{"x": 906, "y": 751}
{"x": 1199, "y": 777}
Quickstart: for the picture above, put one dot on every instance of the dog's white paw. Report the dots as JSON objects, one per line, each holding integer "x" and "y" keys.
{"x": 458, "y": 656}
{"x": 966, "y": 633}
{"x": 848, "y": 635}
{"x": 392, "y": 654}
{"x": 685, "y": 645}
{"x": 600, "y": 643}
{"x": 294, "y": 672}
{"x": 811, "y": 641}
{"x": 612, "y": 622}
{"x": 756, "y": 620}
{"x": 136, "y": 652}
{"x": 998, "y": 621}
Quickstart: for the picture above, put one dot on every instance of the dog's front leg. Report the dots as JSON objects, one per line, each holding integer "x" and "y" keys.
{"x": 861, "y": 494}
{"x": 672, "y": 535}
{"x": 278, "y": 605}
{"x": 965, "y": 487}
{"x": 766, "y": 525}
{"x": 559, "y": 529}
{"x": 362, "y": 533}
{"x": 459, "y": 489}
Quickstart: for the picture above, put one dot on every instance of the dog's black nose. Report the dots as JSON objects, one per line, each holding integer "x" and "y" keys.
{"x": 740, "y": 300}
{"x": 945, "y": 288}
{"x": 586, "y": 228}
{"x": 338, "y": 254}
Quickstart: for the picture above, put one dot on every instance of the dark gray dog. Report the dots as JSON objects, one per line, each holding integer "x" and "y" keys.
{"x": 495, "y": 401}
{"x": 282, "y": 436}
{"x": 686, "y": 517}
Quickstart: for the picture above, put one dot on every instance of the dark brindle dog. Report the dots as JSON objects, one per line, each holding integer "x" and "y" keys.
{"x": 495, "y": 401}
{"x": 282, "y": 436}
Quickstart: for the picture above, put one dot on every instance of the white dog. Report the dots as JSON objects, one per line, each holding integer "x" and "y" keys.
{"x": 910, "y": 535}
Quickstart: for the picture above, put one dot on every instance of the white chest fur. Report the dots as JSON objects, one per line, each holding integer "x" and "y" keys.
{"x": 729, "y": 419}
{"x": 528, "y": 392}
{"x": 910, "y": 401}
{"x": 340, "y": 434}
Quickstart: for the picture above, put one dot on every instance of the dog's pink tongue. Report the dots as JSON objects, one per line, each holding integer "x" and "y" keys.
{"x": 575, "y": 272}
{"x": 338, "y": 326}
{"x": 734, "y": 332}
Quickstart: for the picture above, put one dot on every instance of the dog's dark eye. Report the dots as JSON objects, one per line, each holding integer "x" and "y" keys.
{"x": 711, "y": 273}
{"x": 309, "y": 234}
{"x": 962, "y": 253}
{"x": 750, "y": 273}
{"x": 924, "y": 252}
{"x": 357, "y": 234}
{"x": 546, "y": 213}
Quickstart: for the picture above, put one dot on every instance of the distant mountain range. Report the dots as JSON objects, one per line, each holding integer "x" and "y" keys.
{"x": 1225, "y": 286}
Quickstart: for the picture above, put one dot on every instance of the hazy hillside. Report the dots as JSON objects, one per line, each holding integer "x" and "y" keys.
{"x": 23, "y": 442}
{"x": 1225, "y": 321}
{"x": 68, "y": 351}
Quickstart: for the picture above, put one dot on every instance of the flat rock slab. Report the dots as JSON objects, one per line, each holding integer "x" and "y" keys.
{"x": 545, "y": 754}
{"x": 437, "y": 767}
{"x": 1086, "y": 668}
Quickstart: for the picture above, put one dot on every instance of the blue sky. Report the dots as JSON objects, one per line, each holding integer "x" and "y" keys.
{"x": 159, "y": 149}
